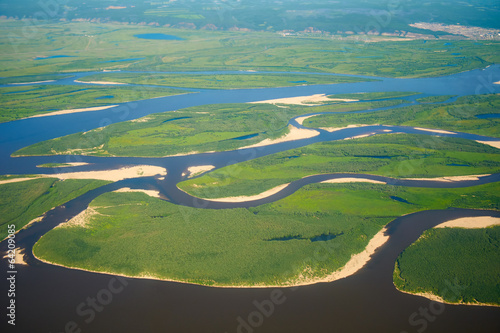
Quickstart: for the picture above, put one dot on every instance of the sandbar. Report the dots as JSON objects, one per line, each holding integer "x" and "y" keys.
{"x": 67, "y": 165}
{"x": 477, "y": 222}
{"x": 46, "y": 81}
{"x": 360, "y": 136}
{"x": 151, "y": 193}
{"x": 244, "y": 198}
{"x": 451, "y": 178}
{"x": 55, "y": 113}
{"x": 294, "y": 134}
{"x": 433, "y": 130}
{"x": 18, "y": 258}
{"x": 495, "y": 144}
{"x": 196, "y": 170}
{"x": 99, "y": 82}
{"x": 113, "y": 175}
{"x": 299, "y": 100}
{"x": 15, "y": 180}
{"x": 334, "y": 129}
{"x": 352, "y": 180}
{"x": 300, "y": 120}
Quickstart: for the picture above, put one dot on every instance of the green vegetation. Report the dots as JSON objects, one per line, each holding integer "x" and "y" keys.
{"x": 392, "y": 155}
{"x": 25, "y": 101}
{"x": 374, "y": 95}
{"x": 459, "y": 265}
{"x": 435, "y": 99}
{"x": 32, "y": 78}
{"x": 23, "y": 201}
{"x": 83, "y": 46}
{"x": 235, "y": 246}
{"x": 222, "y": 81}
{"x": 456, "y": 116}
{"x": 202, "y": 129}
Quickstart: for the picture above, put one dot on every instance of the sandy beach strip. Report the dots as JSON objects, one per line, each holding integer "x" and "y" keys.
{"x": 67, "y": 165}
{"x": 300, "y": 120}
{"x": 477, "y": 222}
{"x": 46, "y": 81}
{"x": 151, "y": 193}
{"x": 244, "y": 198}
{"x": 196, "y": 170}
{"x": 434, "y": 130}
{"x": 299, "y": 100}
{"x": 495, "y": 144}
{"x": 55, "y": 113}
{"x": 16, "y": 180}
{"x": 113, "y": 175}
{"x": 99, "y": 82}
{"x": 352, "y": 180}
{"x": 334, "y": 129}
{"x": 361, "y": 136}
{"x": 294, "y": 134}
{"x": 451, "y": 178}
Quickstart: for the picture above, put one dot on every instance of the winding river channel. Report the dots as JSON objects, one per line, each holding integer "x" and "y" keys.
{"x": 49, "y": 298}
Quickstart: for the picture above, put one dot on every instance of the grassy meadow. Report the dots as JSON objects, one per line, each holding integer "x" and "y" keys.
{"x": 83, "y": 46}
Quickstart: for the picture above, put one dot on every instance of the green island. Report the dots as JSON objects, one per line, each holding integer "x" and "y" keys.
{"x": 458, "y": 265}
{"x": 30, "y": 100}
{"x": 22, "y": 202}
{"x": 298, "y": 239}
{"x": 391, "y": 155}
{"x": 222, "y": 81}
{"x": 201, "y": 129}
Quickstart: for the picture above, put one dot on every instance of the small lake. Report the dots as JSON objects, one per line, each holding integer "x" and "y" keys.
{"x": 158, "y": 36}
{"x": 52, "y": 57}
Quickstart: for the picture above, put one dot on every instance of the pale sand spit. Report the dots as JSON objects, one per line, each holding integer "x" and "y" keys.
{"x": 55, "y": 113}
{"x": 360, "y": 136}
{"x": 498, "y": 82}
{"x": 46, "y": 81}
{"x": 244, "y": 198}
{"x": 294, "y": 134}
{"x": 433, "y": 130}
{"x": 15, "y": 180}
{"x": 450, "y": 179}
{"x": 69, "y": 164}
{"x": 352, "y": 180}
{"x": 151, "y": 193}
{"x": 80, "y": 220}
{"x": 99, "y": 82}
{"x": 113, "y": 175}
{"x": 299, "y": 100}
{"x": 359, "y": 260}
{"x": 477, "y": 222}
{"x": 495, "y": 144}
{"x": 18, "y": 258}
{"x": 196, "y": 170}
{"x": 333, "y": 129}
{"x": 300, "y": 120}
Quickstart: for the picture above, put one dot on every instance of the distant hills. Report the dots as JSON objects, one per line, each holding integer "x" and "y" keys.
{"x": 287, "y": 16}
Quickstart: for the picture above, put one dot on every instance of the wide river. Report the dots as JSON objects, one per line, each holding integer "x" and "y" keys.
{"x": 56, "y": 299}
